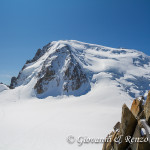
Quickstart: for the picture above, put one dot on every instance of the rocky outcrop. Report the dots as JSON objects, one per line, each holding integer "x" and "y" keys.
{"x": 62, "y": 72}
{"x": 39, "y": 53}
{"x": 133, "y": 133}
{"x": 109, "y": 145}
{"x": 147, "y": 108}
{"x": 128, "y": 121}
{"x": 127, "y": 126}
{"x": 137, "y": 107}
{"x": 13, "y": 82}
{"x": 117, "y": 126}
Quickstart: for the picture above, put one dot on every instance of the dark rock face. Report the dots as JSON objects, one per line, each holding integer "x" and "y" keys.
{"x": 13, "y": 82}
{"x": 131, "y": 134}
{"x": 38, "y": 54}
{"x": 63, "y": 71}
{"x": 74, "y": 77}
{"x": 49, "y": 75}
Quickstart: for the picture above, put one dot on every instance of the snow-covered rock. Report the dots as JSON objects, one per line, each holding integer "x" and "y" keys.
{"x": 3, "y": 87}
{"x": 72, "y": 67}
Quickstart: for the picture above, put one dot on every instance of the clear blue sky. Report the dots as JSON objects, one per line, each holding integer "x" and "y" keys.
{"x": 26, "y": 25}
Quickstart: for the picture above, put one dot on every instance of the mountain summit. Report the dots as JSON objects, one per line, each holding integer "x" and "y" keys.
{"x": 73, "y": 68}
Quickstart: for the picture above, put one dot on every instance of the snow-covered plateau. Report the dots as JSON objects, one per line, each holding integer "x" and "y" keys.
{"x": 70, "y": 88}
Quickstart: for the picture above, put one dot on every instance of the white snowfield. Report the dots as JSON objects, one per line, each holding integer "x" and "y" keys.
{"x": 29, "y": 123}
{"x": 35, "y": 124}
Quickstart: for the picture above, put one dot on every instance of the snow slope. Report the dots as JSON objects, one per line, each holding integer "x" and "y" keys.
{"x": 3, "y": 87}
{"x": 35, "y": 124}
{"x": 115, "y": 77}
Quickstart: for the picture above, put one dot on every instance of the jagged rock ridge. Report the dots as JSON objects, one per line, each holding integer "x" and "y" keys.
{"x": 133, "y": 131}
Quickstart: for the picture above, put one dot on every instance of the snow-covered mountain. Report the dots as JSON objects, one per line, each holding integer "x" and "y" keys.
{"x": 72, "y": 68}
{"x": 98, "y": 80}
